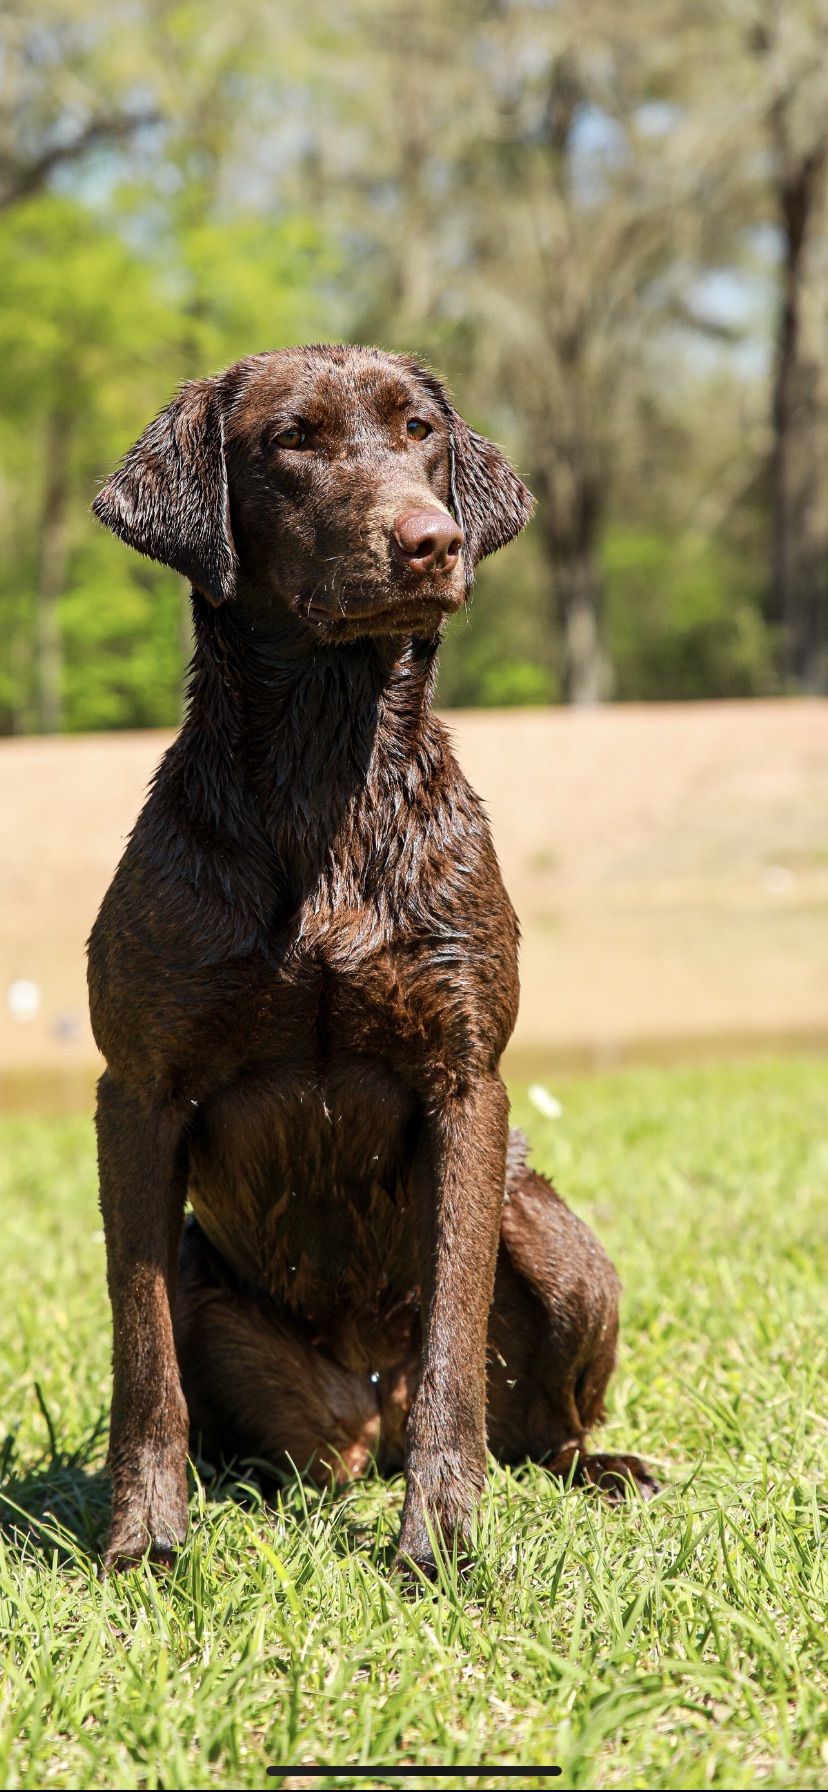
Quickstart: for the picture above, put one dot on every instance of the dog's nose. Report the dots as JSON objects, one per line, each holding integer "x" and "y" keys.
{"x": 429, "y": 540}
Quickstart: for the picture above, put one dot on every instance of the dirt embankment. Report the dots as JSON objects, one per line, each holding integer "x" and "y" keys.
{"x": 669, "y": 864}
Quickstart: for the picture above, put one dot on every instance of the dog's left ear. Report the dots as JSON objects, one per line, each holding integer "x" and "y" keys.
{"x": 489, "y": 501}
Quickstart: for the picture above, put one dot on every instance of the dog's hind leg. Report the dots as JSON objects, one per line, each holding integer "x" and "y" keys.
{"x": 553, "y": 1331}
{"x": 256, "y": 1386}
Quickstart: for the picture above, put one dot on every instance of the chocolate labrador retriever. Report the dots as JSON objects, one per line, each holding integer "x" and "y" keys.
{"x": 303, "y": 977}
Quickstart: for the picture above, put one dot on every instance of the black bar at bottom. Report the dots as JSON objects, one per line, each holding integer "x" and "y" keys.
{"x": 422, "y": 1773}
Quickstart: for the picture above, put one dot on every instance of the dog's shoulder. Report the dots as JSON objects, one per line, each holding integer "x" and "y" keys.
{"x": 459, "y": 848}
{"x": 193, "y": 890}
{"x": 196, "y": 860}
{"x": 458, "y": 930}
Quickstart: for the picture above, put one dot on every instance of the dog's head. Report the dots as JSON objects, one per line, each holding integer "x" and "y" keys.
{"x": 338, "y": 483}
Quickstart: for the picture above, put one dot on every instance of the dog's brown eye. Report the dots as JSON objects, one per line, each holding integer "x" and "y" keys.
{"x": 417, "y": 429}
{"x": 293, "y": 437}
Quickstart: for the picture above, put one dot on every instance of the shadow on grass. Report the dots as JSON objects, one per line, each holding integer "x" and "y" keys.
{"x": 60, "y": 1505}
{"x": 258, "y": 1487}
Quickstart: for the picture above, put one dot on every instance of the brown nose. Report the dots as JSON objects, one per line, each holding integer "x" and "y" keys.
{"x": 429, "y": 540}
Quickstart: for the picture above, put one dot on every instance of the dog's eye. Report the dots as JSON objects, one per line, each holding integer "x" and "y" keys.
{"x": 417, "y": 429}
{"x": 292, "y": 437}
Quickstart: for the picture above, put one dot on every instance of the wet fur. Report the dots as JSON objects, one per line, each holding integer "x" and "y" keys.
{"x": 303, "y": 978}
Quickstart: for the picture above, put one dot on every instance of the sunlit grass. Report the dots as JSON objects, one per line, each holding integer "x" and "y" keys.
{"x": 680, "y": 1644}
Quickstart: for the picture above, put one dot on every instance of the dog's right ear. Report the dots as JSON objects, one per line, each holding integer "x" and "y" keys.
{"x": 489, "y": 501}
{"x": 169, "y": 496}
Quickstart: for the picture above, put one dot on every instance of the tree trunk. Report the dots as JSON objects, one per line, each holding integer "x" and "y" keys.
{"x": 579, "y": 595}
{"x": 800, "y": 461}
{"x": 413, "y": 272}
{"x": 53, "y": 552}
{"x": 570, "y": 488}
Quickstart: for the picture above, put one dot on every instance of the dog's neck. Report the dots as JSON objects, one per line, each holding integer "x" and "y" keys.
{"x": 318, "y": 734}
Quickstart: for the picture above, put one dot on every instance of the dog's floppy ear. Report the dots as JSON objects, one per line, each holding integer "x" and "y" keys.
{"x": 169, "y": 496}
{"x": 489, "y": 501}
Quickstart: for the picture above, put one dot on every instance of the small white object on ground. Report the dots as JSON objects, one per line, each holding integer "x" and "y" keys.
{"x": 779, "y": 880}
{"x": 547, "y": 1104}
{"x": 23, "y": 999}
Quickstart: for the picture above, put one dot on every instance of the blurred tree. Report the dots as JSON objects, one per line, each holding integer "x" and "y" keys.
{"x": 532, "y": 215}
{"x": 79, "y": 328}
{"x": 683, "y": 618}
{"x": 566, "y": 194}
{"x": 788, "y": 40}
{"x": 104, "y": 307}
{"x": 563, "y": 215}
{"x": 61, "y": 98}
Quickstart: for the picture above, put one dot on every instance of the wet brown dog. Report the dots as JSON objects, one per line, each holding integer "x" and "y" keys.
{"x": 303, "y": 977}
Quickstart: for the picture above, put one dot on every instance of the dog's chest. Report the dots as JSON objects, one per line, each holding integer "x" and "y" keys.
{"x": 301, "y": 1179}
{"x": 348, "y": 980}
{"x": 301, "y": 1162}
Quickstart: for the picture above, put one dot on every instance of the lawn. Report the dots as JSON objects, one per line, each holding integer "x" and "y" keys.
{"x": 682, "y": 1644}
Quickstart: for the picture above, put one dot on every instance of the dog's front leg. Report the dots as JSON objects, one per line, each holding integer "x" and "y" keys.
{"x": 143, "y": 1176}
{"x": 460, "y": 1176}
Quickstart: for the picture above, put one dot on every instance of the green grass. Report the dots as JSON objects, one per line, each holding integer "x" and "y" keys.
{"x": 681, "y": 1644}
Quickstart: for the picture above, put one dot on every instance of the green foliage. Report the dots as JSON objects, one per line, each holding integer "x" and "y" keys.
{"x": 564, "y": 221}
{"x": 125, "y": 625}
{"x": 77, "y": 311}
{"x": 680, "y": 1644}
{"x": 80, "y": 323}
{"x": 501, "y": 651}
{"x": 93, "y": 339}
{"x": 248, "y": 283}
{"x": 684, "y": 619}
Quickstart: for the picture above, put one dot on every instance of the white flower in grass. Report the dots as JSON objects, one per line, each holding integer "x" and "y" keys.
{"x": 23, "y": 998}
{"x": 547, "y": 1104}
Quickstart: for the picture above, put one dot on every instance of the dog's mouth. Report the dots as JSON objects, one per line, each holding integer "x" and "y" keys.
{"x": 351, "y": 613}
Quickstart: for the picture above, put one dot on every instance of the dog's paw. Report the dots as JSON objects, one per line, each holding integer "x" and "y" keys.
{"x": 407, "y": 1569}
{"x": 416, "y": 1547}
{"x": 133, "y": 1548}
{"x": 616, "y": 1477}
{"x": 146, "y": 1531}
{"x": 441, "y": 1496}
